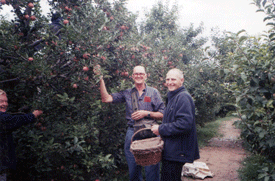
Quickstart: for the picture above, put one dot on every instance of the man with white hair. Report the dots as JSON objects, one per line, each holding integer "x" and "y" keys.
{"x": 178, "y": 128}
{"x": 8, "y": 124}
{"x": 150, "y": 107}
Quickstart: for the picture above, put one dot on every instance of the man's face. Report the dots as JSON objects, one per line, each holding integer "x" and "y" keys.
{"x": 3, "y": 103}
{"x": 173, "y": 81}
{"x": 139, "y": 75}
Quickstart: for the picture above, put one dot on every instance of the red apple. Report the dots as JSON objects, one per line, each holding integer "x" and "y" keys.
{"x": 75, "y": 59}
{"x": 65, "y": 21}
{"x": 26, "y": 16}
{"x": 86, "y": 55}
{"x": 123, "y": 27}
{"x": 103, "y": 58}
{"x": 3, "y": 1}
{"x": 126, "y": 74}
{"x": 33, "y": 18}
{"x": 31, "y": 5}
{"x": 85, "y": 69}
{"x": 30, "y": 59}
{"x": 86, "y": 78}
{"x": 105, "y": 28}
{"x": 75, "y": 86}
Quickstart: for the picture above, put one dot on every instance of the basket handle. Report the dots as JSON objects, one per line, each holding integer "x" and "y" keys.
{"x": 142, "y": 129}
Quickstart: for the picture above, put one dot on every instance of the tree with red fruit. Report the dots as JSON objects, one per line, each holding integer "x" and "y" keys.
{"x": 56, "y": 78}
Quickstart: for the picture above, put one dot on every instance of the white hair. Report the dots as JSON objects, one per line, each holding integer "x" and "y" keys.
{"x": 3, "y": 92}
{"x": 178, "y": 72}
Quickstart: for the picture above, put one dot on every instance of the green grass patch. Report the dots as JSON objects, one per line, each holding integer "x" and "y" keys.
{"x": 210, "y": 130}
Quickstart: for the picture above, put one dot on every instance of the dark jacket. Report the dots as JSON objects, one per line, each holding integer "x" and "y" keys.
{"x": 178, "y": 130}
{"x": 9, "y": 123}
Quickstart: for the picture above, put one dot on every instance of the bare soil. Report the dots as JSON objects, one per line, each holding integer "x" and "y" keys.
{"x": 223, "y": 155}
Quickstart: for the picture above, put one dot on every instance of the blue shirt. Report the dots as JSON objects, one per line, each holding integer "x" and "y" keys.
{"x": 9, "y": 123}
{"x": 150, "y": 100}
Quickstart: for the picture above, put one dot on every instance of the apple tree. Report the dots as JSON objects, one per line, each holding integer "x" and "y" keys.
{"x": 48, "y": 65}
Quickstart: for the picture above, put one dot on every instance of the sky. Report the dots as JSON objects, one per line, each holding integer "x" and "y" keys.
{"x": 229, "y": 15}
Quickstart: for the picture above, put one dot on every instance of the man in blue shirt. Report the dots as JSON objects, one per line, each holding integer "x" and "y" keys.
{"x": 178, "y": 128}
{"x": 150, "y": 105}
{"x": 9, "y": 123}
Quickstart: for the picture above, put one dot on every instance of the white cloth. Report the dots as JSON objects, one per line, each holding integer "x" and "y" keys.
{"x": 196, "y": 170}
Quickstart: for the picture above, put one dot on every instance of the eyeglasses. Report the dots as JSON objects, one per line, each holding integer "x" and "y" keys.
{"x": 138, "y": 74}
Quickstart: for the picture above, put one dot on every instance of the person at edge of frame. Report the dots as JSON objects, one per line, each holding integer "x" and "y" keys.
{"x": 151, "y": 106}
{"x": 8, "y": 124}
{"x": 178, "y": 128}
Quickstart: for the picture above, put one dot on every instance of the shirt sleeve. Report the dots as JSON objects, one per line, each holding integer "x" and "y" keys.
{"x": 158, "y": 103}
{"x": 10, "y": 122}
{"x": 118, "y": 97}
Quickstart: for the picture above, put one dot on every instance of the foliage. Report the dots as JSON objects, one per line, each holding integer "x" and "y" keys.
{"x": 257, "y": 168}
{"x": 42, "y": 64}
{"x": 48, "y": 65}
{"x": 248, "y": 68}
{"x": 179, "y": 47}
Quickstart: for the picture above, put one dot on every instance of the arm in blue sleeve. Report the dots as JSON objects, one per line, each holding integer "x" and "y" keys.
{"x": 10, "y": 122}
{"x": 183, "y": 117}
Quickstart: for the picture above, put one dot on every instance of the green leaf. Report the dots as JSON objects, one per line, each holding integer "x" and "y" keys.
{"x": 242, "y": 38}
{"x": 260, "y": 10}
{"x": 262, "y": 134}
{"x": 270, "y": 104}
{"x": 51, "y": 141}
{"x": 264, "y": 2}
{"x": 266, "y": 178}
{"x": 241, "y": 31}
{"x": 75, "y": 140}
{"x": 244, "y": 77}
{"x": 261, "y": 175}
{"x": 271, "y": 24}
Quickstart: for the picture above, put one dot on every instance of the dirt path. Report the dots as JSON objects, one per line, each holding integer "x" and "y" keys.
{"x": 223, "y": 155}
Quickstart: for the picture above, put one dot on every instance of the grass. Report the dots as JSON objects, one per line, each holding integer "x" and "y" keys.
{"x": 209, "y": 131}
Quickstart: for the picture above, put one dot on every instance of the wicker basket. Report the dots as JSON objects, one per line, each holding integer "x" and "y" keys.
{"x": 147, "y": 151}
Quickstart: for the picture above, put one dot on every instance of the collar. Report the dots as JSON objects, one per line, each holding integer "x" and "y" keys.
{"x": 175, "y": 92}
{"x": 135, "y": 89}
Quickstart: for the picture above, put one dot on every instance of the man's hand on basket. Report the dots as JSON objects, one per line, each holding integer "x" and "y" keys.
{"x": 155, "y": 129}
{"x": 139, "y": 114}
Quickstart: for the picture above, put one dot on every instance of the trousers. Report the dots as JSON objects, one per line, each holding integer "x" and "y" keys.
{"x": 171, "y": 170}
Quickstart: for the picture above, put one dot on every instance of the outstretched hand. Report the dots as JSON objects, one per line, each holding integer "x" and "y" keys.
{"x": 37, "y": 113}
{"x": 97, "y": 70}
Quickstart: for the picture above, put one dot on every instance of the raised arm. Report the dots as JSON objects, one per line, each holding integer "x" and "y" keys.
{"x": 105, "y": 96}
